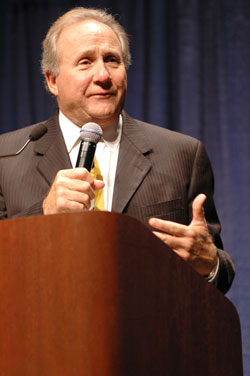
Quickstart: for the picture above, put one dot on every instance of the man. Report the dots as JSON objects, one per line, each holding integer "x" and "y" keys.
{"x": 161, "y": 177}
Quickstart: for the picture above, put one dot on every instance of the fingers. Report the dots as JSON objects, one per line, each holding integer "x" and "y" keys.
{"x": 72, "y": 190}
{"x": 172, "y": 228}
{"x": 98, "y": 184}
{"x": 75, "y": 173}
{"x": 177, "y": 229}
{"x": 177, "y": 236}
{"x": 193, "y": 242}
{"x": 177, "y": 244}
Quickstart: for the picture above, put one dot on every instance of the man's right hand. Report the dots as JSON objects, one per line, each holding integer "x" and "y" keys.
{"x": 72, "y": 190}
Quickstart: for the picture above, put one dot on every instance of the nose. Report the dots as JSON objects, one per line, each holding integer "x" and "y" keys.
{"x": 102, "y": 75}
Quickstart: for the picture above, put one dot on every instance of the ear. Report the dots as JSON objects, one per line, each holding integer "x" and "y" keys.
{"x": 51, "y": 82}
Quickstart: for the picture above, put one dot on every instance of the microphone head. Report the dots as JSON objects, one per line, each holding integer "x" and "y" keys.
{"x": 37, "y": 132}
{"x": 91, "y": 132}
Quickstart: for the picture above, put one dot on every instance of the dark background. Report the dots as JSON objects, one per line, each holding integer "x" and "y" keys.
{"x": 190, "y": 73}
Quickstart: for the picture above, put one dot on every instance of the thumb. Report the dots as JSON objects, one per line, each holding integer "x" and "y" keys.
{"x": 98, "y": 184}
{"x": 197, "y": 207}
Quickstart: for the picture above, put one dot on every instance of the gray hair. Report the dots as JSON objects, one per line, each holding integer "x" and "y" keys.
{"x": 49, "y": 61}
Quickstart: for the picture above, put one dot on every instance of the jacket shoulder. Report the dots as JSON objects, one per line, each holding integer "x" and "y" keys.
{"x": 156, "y": 135}
{"x": 11, "y": 142}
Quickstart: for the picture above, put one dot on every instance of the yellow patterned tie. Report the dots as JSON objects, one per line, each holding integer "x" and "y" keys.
{"x": 99, "y": 194}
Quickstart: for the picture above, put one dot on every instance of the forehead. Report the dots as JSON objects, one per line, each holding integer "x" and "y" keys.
{"x": 88, "y": 32}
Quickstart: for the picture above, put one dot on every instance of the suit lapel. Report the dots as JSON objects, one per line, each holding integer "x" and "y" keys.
{"x": 53, "y": 150}
{"x": 132, "y": 164}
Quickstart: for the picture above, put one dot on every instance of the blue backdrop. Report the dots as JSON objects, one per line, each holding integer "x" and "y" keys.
{"x": 190, "y": 73}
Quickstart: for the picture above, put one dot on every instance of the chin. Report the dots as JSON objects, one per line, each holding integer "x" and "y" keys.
{"x": 104, "y": 114}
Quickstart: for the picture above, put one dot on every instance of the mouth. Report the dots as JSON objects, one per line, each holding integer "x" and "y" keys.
{"x": 102, "y": 95}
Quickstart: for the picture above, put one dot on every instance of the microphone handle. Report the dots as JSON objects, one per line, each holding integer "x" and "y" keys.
{"x": 18, "y": 152}
{"x": 86, "y": 155}
{"x": 37, "y": 132}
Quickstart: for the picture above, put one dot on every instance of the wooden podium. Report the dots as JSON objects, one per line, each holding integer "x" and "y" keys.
{"x": 97, "y": 294}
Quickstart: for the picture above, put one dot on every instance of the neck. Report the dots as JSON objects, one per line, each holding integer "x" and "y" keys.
{"x": 110, "y": 132}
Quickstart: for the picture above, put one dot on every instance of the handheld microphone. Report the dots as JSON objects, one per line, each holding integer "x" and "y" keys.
{"x": 90, "y": 134}
{"x": 36, "y": 133}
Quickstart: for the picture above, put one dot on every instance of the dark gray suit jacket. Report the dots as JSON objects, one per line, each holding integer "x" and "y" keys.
{"x": 159, "y": 173}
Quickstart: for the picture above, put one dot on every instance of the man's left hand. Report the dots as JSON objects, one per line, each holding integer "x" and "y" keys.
{"x": 193, "y": 243}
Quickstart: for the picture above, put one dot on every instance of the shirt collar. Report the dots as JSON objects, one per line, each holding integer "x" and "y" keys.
{"x": 71, "y": 133}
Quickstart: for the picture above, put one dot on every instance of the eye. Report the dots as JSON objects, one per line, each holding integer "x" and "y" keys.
{"x": 115, "y": 60}
{"x": 85, "y": 61}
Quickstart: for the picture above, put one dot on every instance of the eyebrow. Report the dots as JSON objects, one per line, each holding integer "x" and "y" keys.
{"x": 92, "y": 51}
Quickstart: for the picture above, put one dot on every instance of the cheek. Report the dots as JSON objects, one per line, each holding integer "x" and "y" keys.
{"x": 73, "y": 82}
{"x": 63, "y": 82}
{"x": 121, "y": 81}
{"x": 82, "y": 83}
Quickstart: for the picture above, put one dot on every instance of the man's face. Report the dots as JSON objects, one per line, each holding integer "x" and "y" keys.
{"x": 92, "y": 81}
